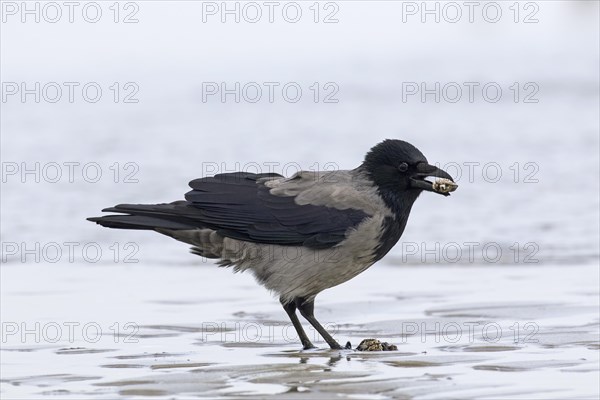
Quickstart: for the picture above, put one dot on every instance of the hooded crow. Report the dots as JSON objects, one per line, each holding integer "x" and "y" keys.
{"x": 299, "y": 235}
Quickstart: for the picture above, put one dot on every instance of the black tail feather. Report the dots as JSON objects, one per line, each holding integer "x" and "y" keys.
{"x": 147, "y": 217}
{"x": 137, "y": 222}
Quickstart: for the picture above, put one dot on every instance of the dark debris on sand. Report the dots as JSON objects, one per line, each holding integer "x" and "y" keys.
{"x": 373, "y": 345}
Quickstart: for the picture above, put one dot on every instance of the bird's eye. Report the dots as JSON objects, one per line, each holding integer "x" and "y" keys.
{"x": 403, "y": 167}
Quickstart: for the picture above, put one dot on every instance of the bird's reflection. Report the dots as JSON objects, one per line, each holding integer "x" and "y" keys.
{"x": 333, "y": 360}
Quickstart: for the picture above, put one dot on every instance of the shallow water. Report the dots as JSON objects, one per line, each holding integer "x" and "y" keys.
{"x": 492, "y": 292}
{"x": 462, "y": 332}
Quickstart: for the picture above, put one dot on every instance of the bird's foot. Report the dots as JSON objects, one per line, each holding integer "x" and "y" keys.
{"x": 336, "y": 346}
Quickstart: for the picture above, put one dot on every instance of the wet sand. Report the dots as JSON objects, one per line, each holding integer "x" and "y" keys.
{"x": 201, "y": 332}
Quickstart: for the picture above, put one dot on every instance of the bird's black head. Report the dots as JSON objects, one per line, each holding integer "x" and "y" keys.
{"x": 397, "y": 167}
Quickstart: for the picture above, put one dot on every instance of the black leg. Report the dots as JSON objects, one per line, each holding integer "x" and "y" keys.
{"x": 290, "y": 309}
{"x": 307, "y": 308}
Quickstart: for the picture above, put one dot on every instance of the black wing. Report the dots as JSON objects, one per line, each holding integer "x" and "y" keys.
{"x": 239, "y": 206}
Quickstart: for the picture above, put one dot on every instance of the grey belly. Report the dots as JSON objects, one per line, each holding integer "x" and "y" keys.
{"x": 290, "y": 271}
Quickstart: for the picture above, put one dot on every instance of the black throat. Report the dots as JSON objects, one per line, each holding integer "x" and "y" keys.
{"x": 400, "y": 202}
{"x": 393, "y": 227}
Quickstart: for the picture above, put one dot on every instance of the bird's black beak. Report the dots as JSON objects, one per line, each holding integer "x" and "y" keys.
{"x": 423, "y": 170}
